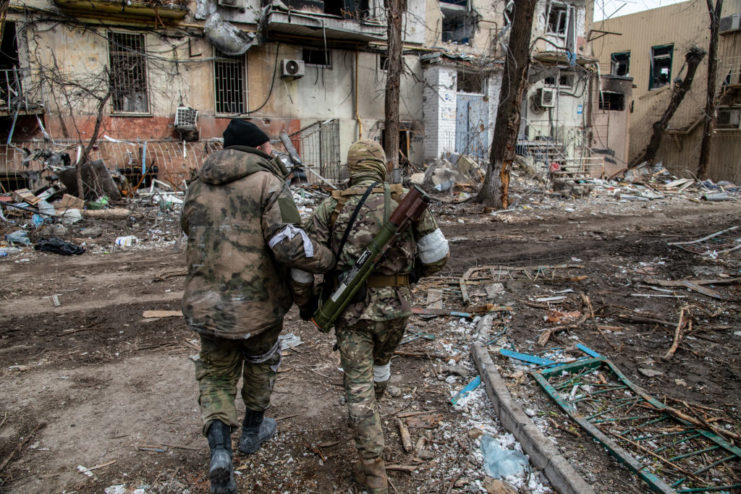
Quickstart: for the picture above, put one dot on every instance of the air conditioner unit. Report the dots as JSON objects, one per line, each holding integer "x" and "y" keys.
{"x": 292, "y": 68}
{"x": 730, "y": 23}
{"x": 185, "y": 118}
{"x": 547, "y": 97}
{"x": 729, "y": 118}
{"x": 234, "y": 4}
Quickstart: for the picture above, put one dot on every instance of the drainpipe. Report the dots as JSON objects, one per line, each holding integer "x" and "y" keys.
{"x": 357, "y": 116}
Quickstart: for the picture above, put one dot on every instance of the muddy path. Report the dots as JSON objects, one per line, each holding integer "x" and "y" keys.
{"x": 108, "y": 388}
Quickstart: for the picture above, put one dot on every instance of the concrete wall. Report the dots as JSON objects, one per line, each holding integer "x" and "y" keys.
{"x": 439, "y": 110}
{"x": 683, "y": 25}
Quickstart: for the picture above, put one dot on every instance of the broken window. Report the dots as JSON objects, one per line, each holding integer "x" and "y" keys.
{"x": 661, "y": 66}
{"x": 459, "y": 24}
{"x": 383, "y": 62}
{"x": 229, "y": 83}
{"x": 565, "y": 80}
{"x": 470, "y": 82}
{"x": 620, "y": 63}
{"x": 128, "y": 63}
{"x": 612, "y": 101}
{"x": 320, "y": 58}
{"x": 558, "y": 19}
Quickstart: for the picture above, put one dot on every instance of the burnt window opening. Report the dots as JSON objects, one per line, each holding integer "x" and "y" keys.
{"x": 128, "y": 62}
{"x": 383, "y": 62}
{"x": 459, "y": 26}
{"x": 558, "y": 19}
{"x": 229, "y": 83}
{"x": 620, "y": 63}
{"x": 661, "y": 66}
{"x": 509, "y": 13}
{"x": 334, "y": 7}
{"x": 319, "y": 58}
{"x": 565, "y": 80}
{"x": 463, "y": 3}
{"x": 612, "y": 101}
{"x": 469, "y": 82}
{"x": 9, "y": 48}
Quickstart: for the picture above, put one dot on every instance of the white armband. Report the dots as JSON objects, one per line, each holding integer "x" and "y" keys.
{"x": 301, "y": 276}
{"x": 381, "y": 373}
{"x": 433, "y": 247}
{"x": 289, "y": 232}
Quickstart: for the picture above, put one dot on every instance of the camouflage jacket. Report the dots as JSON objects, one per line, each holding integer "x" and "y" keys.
{"x": 380, "y": 304}
{"x": 244, "y": 236}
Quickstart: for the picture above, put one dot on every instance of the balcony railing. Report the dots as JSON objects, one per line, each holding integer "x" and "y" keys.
{"x": 17, "y": 94}
{"x": 163, "y": 10}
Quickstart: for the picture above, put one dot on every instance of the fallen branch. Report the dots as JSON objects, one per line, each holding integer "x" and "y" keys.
{"x": 401, "y": 468}
{"x": 677, "y": 335}
{"x": 21, "y": 445}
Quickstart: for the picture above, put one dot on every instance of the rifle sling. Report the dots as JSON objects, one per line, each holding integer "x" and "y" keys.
{"x": 353, "y": 217}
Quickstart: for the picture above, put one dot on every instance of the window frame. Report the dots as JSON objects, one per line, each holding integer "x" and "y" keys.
{"x": 566, "y": 13}
{"x": 241, "y": 60}
{"x": 327, "y": 57}
{"x": 670, "y": 56}
{"x": 115, "y": 111}
{"x": 614, "y": 64}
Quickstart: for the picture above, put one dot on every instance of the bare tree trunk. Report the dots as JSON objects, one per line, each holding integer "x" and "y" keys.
{"x": 707, "y": 131}
{"x": 394, "y": 10}
{"x": 693, "y": 58}
{"x": 90, "y": 144}
{"x": 494, "y": 191}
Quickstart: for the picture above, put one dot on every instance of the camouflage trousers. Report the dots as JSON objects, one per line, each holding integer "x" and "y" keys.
{"x": 362, "y": 346}
{"x": 222, "y": 362}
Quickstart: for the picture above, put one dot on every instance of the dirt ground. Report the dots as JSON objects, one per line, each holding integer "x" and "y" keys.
{"x": 91, "y": 384}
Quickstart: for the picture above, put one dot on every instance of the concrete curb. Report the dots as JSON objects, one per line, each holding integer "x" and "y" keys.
{"x": 542, "y": 452}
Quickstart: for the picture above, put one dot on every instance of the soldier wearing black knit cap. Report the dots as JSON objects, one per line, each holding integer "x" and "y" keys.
{"x": 245, "y": 247}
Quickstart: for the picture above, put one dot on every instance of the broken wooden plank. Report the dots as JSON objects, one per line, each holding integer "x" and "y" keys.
{"x": 159, "y": 314}
{"x": 435, "y": 298}
{"x": 691, "y": 284}
{"x": 464, "y": 289}
{"x": 406, "y": 438}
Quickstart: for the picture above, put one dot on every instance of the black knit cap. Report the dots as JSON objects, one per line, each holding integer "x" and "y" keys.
{"x": 244, "y": 133}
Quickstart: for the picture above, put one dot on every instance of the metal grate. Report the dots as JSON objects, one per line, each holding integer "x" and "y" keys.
{"x": 320, "y": 150}
{"x": 229, "y": 83}
{"x": 185, "y": 118}
{"x": 667, "y": 450}
{"x": 128, "y": 72}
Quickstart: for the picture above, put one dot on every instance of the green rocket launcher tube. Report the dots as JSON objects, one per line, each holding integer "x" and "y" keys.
{"x": 410, "y": 209}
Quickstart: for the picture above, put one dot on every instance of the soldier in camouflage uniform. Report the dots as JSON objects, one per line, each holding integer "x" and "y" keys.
{"x": 245, "y": 244}
{"x": 371, "y": 328}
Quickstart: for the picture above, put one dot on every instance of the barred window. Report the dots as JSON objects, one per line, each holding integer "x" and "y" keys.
{"x": 229, "y": 83}
{"x": 128, "y": 64}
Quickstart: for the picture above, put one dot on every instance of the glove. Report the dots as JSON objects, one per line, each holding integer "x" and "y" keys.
{"x": 306, "y": 311}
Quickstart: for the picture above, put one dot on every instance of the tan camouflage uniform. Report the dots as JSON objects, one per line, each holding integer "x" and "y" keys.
{"x": 369, "y": 331}
{"x": 245, "y": 244}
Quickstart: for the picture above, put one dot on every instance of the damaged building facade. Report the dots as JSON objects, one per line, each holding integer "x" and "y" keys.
{"x": 649, "y": 48}
{"x": 157, "y": 82}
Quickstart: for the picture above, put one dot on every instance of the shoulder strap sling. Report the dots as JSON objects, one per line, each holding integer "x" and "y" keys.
{"x": 353, "y": 217}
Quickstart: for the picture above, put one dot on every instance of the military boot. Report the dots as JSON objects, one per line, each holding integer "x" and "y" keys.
{"x": 380, "y": 388}
{"x": 255, "y": 431}
{"x": 371, "y": 476}
{"x": 221, "y": 471}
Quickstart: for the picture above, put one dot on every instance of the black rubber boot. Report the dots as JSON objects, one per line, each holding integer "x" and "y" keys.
{"x": 379, "y": 387}
{"x": 221, "y": 471}
{"x": 255, "y": 431}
